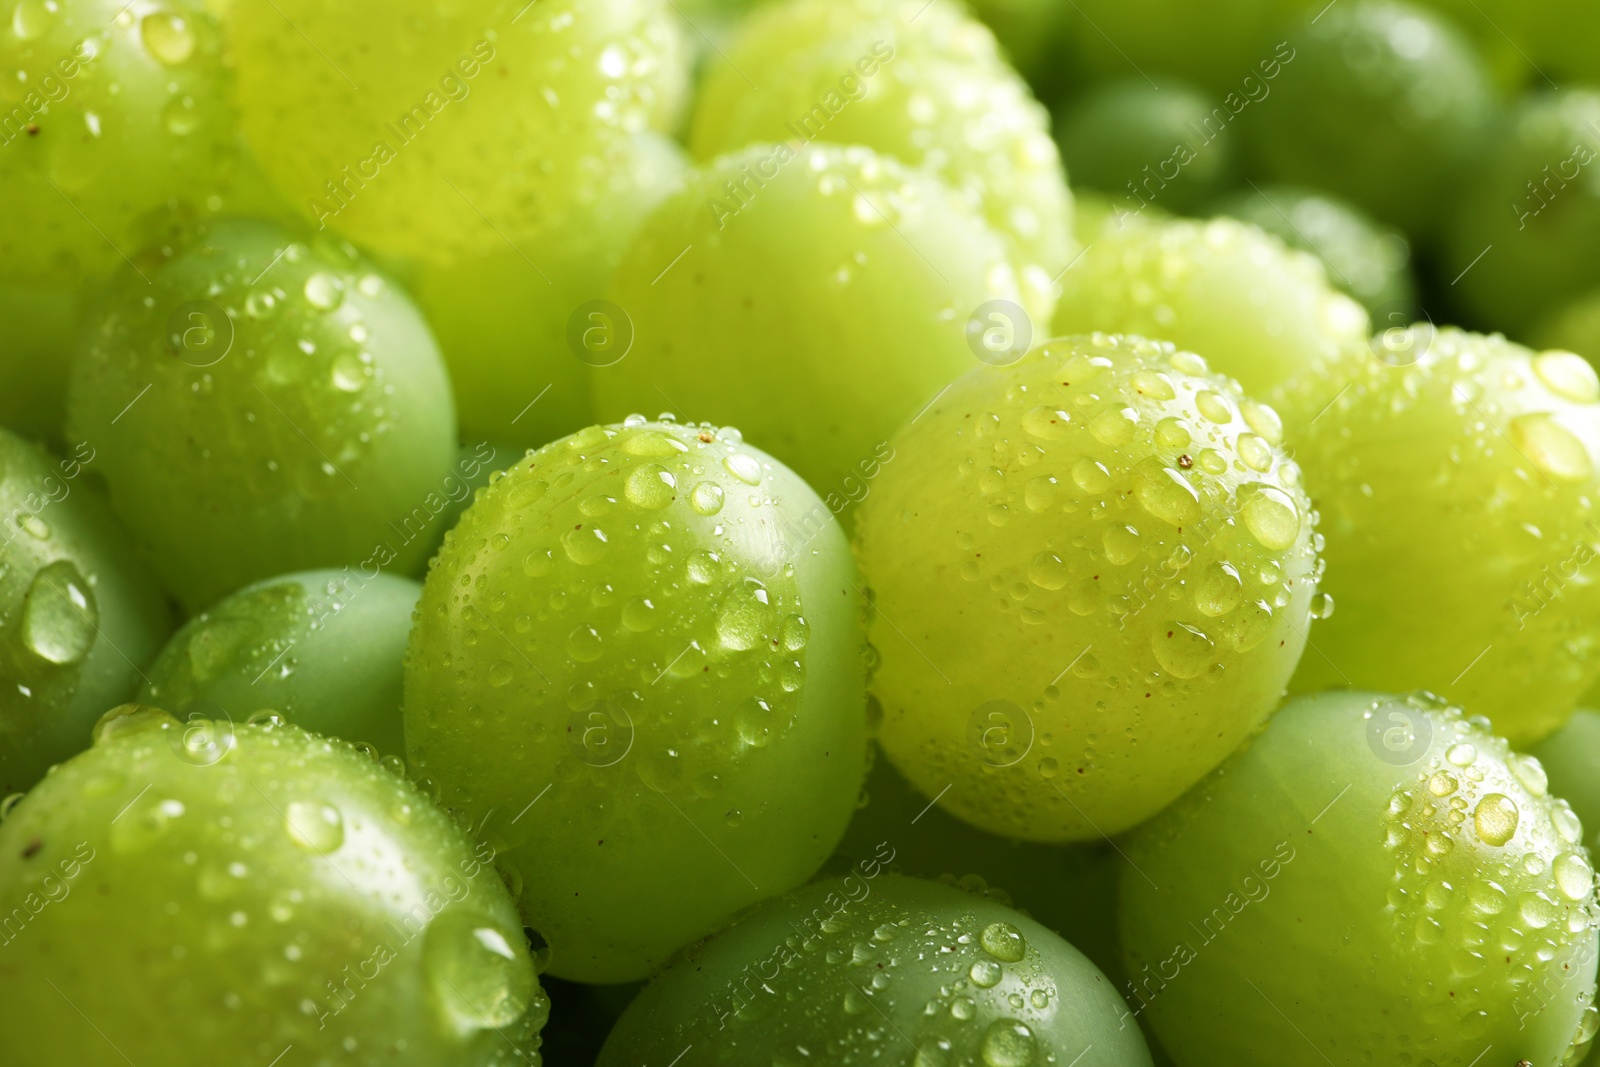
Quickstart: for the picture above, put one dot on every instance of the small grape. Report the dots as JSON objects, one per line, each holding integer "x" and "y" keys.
{"x": 264, "y": 402}
{"x": 79, "y": 612}
{"x": 657, "y": 625}
{"x": 115, "y": 118}
{"x": 1385, "y": 105}
{"x": 323, "y": 649}
{"x": 931, "y": 94}
{"x": 439, "y": 132}
{"x": 817, "y": 298}
{"x": 1365, "y": 259}
{"x": 1456, "y": 478}
{"x": 1375, "y": 879}
{"x": 502, "y": 319}
{"x": 217, "y": 893}
{"x": 861, "y": 968}
{"x": 1257, "y": 310}
{"x": 1093, "y": 574}
{"x": 1529, "y": 220}
{"x": 1139, "y": 144}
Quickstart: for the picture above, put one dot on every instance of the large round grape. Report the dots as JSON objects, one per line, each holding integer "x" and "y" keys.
{"x": 1385, "y": 105}
{"x": 931, "y": 94}
{"x": 876, "y": 968}
{"x": 1093, "y": 574}
{"x": 114, "y": 116}
{"x": 79, "y": 612}
{"x": 223, "y": 893}
{"x": 502, "y": 319}
{"x": 263, "y": 402}
{"x": 1256, "y": 309}
{"x": 1456, "y": 478}
{"x": 638, "y": 664}
{"x": 1236, "y": 48}
{"x": 322, "y": 648}
{"x": 1373, "y": 880}
{"x": 1523, "y": 238}
{"x": 435, "y": 131}
{"x": 1364, "y": 258}
{"x": 1140, "y": 144}
{"x": 816, "y": 298}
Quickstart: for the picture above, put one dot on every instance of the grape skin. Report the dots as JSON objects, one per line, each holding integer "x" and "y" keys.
{"x": 212, "y": 893}
{"x": 322, "y": 648}
{"x": 1123, "y": 560}
{"x": 1456, "y": 475}
{"x": 80, "y": 614}
{"x": 1255, "y": 309}
{"x": 659, "y": 625}
{"x": 265, "y": 403}
{"x": 116, "y": 121}
{"x": 1390, "y": 878}
{"x": 819, "y": 973}
{"x": 817, "y": 309}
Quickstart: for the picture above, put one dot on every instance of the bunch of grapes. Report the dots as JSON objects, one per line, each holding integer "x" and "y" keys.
{"x": 781, "y": 533}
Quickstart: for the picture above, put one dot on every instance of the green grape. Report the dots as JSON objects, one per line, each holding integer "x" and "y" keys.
{"x": 79, "y": 614}
{"x": 1365, "y": 259}
{"x": 875, "y": 968}
{"x": 1093, "y": 574}
{"x": 1375, "y": 879}
{"x": 906, "y": 90}
{"x": 1140, "y": 144}
{"x": 262, "y": 403}
{"x": 502, "y": 318}
{"x": 817, "y": 298}
{"x": 323, "y": 648}
{"x": 1071, "y": 889}
{"x": 112, "y": 114}
{"x": 223, "y": 893}
{"x": 41, "y": 326}
{"x": 1258, "y": 310}
{"x": 1539, "y": 44}
{"x": 1575, "y": 327}
{"x": 657, "y": 625}
{"x": 1227, "y": 46}
{"x": 1524, "y": 236}
{"x": 1571, "y": 759}
{"x": 444, "y": 131}
{"x": 1455, "y": 474}
{"x": 1385, "y": 107}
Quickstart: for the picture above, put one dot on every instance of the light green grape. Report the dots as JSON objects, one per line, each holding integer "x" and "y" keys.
{"x": 933, "y": 95}
{"x": 115, "y": 118}
{"x": 1524, "y": 236}
{"x": 874, "y": 968}
{"x": 1256, "y": 309}
{"x": 1235, "y": 48}
{"x": 1455, "y": 474}
{"x": 1071, "y": 889}
{"x": 817, "y": 298}
{"x": 223, "y": 893}
{"x": 263, "y": 403}
{"x": 638, "y": 664}
{"x": 79, "y": 613}
{"x": 1575, "y": 327}
{"x": 1385, "y": 105}
{"x": 41, "y": 326}
{"x": 1093, "y": 574}
{"x": 1365, "y": 259}
{"x": 437, "y": 132}
{"x": 1373, "y": 880}
{"x": 322, "y": 648}
{"x": 1143, "y": 145}
{"x": 1571, "y": 759}
{"x": 502, "y": 318}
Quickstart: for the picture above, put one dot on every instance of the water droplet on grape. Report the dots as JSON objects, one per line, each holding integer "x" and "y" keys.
{"x": 314, "y": 825}
{"x": 1496, "y": 818}
{"x": 1551, "y": 447}
{"x": 1270, "y": 515}
{"x": 478, "y": 973}
{"x": 59, "y": 614}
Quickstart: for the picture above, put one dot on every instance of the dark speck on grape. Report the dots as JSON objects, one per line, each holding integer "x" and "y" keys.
{"x": 32, "y": 848}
